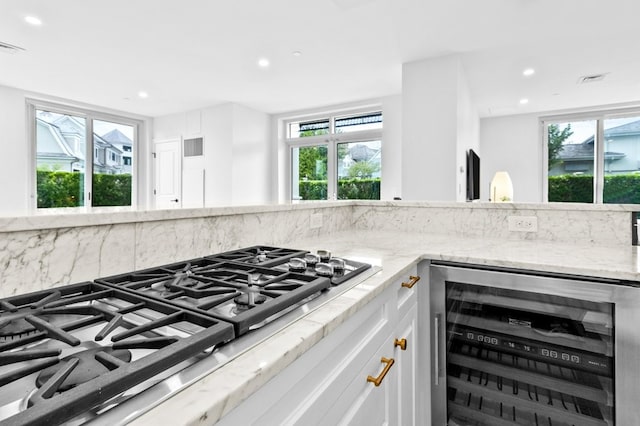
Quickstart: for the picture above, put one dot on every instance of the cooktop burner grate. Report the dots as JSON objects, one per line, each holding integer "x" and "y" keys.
{"x": 93, "y": 350}
{"x": 244, "y": 294}
{"x": 88, "y": 324}
{"x": 259, "y": 255}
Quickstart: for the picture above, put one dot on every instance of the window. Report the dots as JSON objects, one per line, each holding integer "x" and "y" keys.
{"x": 336, "y": 157}
{"x": 78, "y": 161}
{"x": 594, "y": 159}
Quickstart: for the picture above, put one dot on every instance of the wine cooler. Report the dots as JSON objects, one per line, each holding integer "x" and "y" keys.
{"x": 515, "y": 348}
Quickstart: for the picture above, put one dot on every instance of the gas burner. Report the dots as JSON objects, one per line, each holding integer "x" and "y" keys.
{"x": 14, "y": 325}
{"x": 249, "y": 300}
{"x": 84, "y": 366}
{"x": 19, "y": 321}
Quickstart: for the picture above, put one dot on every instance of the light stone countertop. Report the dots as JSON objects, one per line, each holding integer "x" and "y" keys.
{"x": 73, "y": 217}
{"x": 211, "y": 397}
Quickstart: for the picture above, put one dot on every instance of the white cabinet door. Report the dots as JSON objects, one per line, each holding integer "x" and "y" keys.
{"x": 328, "y": 384}
{"x": 363, "y": 403}
{"x": 321, "y": 386}
{"x": 407, "y": 368}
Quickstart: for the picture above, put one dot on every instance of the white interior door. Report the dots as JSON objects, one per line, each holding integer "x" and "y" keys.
{"x": 168, "y": 180}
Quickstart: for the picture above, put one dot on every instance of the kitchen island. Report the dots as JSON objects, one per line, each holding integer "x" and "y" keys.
{"x": 44, "y": 251}
{"x": 211, "y": 397}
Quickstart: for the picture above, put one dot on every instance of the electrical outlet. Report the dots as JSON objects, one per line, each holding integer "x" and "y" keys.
{"x": 523, "y": 223}
{"x": 315, "y": 220}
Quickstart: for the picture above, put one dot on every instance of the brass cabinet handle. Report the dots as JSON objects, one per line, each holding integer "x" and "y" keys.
{"x": 400, "y": 342}
{"x": 377, "y": 380}
{"x": 412, "y": 281}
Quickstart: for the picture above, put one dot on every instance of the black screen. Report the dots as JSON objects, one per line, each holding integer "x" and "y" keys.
{"x": 473, "y": 176}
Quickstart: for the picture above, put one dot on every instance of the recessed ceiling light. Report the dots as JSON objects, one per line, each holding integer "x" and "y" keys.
{"x": 524, "y": 101}
{"x": 143, "y": 94}
{"x": 297, "y": 53}
{"x": 32, "y": 20}
{"x": 528, "y": 72}
{"x": 263, "y": 62}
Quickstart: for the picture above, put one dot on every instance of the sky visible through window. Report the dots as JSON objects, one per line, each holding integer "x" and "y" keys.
{"x": 582, "y": 130}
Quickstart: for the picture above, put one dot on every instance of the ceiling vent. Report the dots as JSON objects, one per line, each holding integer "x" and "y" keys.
{"x": 9, "y": 48}
{"x": 591, "y": 78}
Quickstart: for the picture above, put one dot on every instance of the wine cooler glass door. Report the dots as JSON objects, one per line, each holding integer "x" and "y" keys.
{"x": 519, "y": 349}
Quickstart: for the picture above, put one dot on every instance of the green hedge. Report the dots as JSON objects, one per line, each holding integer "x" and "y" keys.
{"x": 348, "y": 189}
{"x": 623, "y": 188}
{"x": 64, "y": 189}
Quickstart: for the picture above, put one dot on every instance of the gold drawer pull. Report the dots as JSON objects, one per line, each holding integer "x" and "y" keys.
{"x": 377, "y": 380}
{"x": 412, "y": 281}
{"x": 400, "y": 342}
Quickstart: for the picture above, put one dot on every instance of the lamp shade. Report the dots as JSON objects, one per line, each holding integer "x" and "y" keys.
{"x": 501, "y": 188}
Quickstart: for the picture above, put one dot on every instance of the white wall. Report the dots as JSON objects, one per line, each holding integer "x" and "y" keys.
{"x": 217, "y": 130}
{"x": 391, "y": 168}
{"x": 236, "y": 153}
{"x": 15, "y": 172}
{"x": 438, "y": 124}
{"x": 512, "y": 144}
{"x": 251, "y": 153}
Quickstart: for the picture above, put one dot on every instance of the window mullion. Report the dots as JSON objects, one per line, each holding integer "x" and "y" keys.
{"x": 598, "y": 176}
{"x": 88, "y": 164}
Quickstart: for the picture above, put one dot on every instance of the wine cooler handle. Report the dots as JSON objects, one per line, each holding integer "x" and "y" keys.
{"x": 436, "y": 348}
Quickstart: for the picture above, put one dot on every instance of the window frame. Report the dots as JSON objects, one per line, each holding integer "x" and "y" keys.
{"x": 332, "y": 139}
{"x": 599, "y": 116}
{"x": 89, "y": 115}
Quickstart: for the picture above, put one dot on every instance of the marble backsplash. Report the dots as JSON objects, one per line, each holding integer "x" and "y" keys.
{"x": 567, "y": 223}
{"x": 36, "y": 259}
{"x": 47, "y": 251}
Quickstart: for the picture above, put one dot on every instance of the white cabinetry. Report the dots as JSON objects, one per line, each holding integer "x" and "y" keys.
{"x": 328, "y": 384}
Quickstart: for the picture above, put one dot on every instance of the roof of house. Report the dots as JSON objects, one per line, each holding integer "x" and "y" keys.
{"x": 628, "y": 129}
{"x": 116, "y": 136}
{"x": 51, "y": 143}
{"x": 360, "y": 152}
{"x": 584, "y": 151}
{"x": 632, "y": 128}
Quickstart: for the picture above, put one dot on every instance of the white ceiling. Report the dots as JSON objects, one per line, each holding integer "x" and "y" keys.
{"x": 198, "y": 53}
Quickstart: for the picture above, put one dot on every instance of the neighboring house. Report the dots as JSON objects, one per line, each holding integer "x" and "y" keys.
{"x": 54, "y": 152}
{"x": 61, "y": 146}
{"x": 621, "y": 153}
{"x": 119, "y": 140}
{"x": 360, "y": 152}
{"x": 107, "y": 158}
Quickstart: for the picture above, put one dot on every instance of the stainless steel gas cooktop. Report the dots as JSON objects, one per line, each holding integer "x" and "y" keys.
{"x": 105, "y": 351}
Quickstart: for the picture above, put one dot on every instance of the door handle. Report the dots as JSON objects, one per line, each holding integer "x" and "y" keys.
{"x": 378, "y": 380}
{"x": 436, "y": 349}
{"x": 412, "y": 281}
{"x": 174, "y": 201}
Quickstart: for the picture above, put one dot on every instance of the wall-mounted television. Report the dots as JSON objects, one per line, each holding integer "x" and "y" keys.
{"x": 473, "y": 176}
